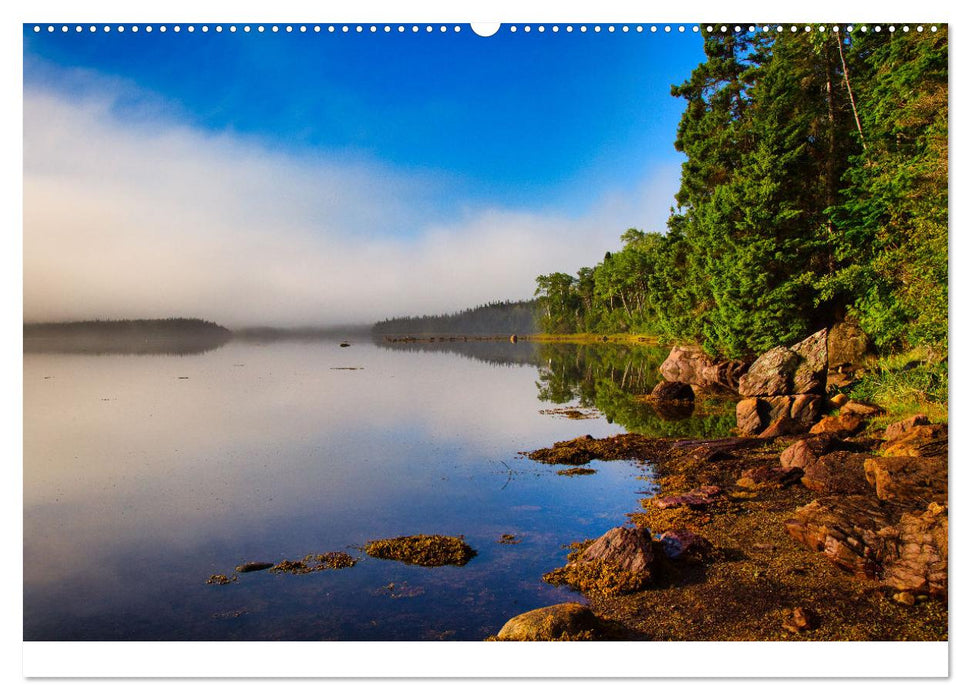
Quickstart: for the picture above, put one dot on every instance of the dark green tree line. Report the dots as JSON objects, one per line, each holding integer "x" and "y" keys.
{"x": 814, "y": 187}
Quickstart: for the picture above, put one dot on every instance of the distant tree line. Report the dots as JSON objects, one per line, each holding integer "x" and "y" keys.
{"x": 495, "y": 318}
{"x": 815, "y": 188}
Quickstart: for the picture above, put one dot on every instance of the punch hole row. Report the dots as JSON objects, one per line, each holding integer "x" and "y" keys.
{"x": 513, "y": 28}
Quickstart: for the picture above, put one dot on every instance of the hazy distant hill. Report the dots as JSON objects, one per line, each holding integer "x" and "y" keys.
{"x": 169, "y": 336}
{"x": 496, "y": 318}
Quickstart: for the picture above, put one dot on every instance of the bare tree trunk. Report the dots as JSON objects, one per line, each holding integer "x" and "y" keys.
{"x": 846, "y": 77}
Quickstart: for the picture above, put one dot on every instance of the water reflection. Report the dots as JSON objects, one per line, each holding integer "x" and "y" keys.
{"x": 144, "y": 475}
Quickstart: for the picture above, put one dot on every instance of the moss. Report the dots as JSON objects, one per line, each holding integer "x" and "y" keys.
{"x": 584, "y": 449}
{"x": 598, "y": 577}
{"x": 422, "y": 550}
{"x": 315, "y": 562}
{"x": 509, "y": 539}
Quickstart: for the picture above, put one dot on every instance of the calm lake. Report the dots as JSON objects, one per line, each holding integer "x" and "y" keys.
{"x": 145, "y": 474}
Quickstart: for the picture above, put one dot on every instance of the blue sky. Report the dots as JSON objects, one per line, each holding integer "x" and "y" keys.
{"x": 420, "y": 143}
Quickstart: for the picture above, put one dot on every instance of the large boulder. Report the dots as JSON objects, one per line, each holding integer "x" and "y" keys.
{"x": 847, "y": 344}
{"x": 691, "y": 365}
{"x": 563, "y": 622}
{"x": 799, "y": 369}
{"x": 771, "y": 374}
{"x": 810, "y": 374}
{"x": 785, "y": 415}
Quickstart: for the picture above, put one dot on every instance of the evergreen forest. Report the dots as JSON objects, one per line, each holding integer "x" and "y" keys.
{"x": 814, "y": 189}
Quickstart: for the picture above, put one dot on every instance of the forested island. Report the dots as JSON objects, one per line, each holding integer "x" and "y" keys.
{"x": 176, "y": 336}
{"x": 494, "y": 318}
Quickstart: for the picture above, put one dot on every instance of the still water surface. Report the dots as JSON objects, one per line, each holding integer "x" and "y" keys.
{"x": 146, "y": 474}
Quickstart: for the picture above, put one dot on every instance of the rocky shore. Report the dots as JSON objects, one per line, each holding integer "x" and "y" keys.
{"x": 811, "y": 524}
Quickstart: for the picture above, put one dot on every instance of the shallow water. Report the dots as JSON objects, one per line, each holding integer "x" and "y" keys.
{"x": 146, "y": 474}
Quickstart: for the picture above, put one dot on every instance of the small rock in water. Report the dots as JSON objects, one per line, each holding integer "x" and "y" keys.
{"x": 253, "y": 566}
{"x": 345, "y": 345}
{"x": 220, "y": 580}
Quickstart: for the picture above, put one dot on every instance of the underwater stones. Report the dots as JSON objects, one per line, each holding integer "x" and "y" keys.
{"x": 422, "y": 550}
{"x": 563, "y": 622}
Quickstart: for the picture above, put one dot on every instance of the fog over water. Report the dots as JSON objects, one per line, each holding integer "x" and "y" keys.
{"x": 137, "y": 215}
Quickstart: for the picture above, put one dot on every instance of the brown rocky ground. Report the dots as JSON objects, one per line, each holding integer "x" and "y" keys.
{"x": 758, "y": 582}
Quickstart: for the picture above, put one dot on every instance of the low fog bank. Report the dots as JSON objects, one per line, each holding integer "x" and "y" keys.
{"x": 138, "y": 217}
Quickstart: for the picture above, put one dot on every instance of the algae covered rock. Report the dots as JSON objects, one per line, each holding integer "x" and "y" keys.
{"x": 618, "y": 562}
{"x": 422, "y": 550}
{"x": 556, "y": 623}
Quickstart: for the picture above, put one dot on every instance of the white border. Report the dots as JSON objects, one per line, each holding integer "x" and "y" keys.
{"x": 440, "y": 659}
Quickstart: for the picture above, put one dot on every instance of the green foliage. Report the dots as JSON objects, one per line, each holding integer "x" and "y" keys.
{"x": 815, "y": 186}
{"x": 905, "y": 384}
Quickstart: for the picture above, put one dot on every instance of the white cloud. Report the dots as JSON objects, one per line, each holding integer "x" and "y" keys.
{"x": 143, "y": 218}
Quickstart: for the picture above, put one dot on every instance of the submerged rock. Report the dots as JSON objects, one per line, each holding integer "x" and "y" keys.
{"x": 253, "y": 566}
{"x": 563, "y": 622}
{"x": 422, "y": 550}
